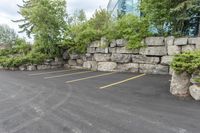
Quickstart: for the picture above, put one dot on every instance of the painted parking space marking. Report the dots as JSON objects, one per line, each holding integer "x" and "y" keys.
{"x": 90, "y": 77}
{"x": 43, "y": 73}
{"x": 123, "y": 81}
{"x": 69, "y": 74}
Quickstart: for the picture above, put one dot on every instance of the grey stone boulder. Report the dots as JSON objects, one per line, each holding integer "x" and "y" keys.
{"x": 102, "y": 57}
{"x": 102, "y": 50}
{"x": 121, "y": 58}
{"x": 65, "y": 55}
{"x": 91, "y": 50}
{"x": 195, "y": 92}
{"x": 95, "y": 44}
{"x": 72, "y": 62}
{"x": 142, "y": 59}
{"x": 195, "y": 41}
{"x": 169, "y": 41}
{"x": 187, "y": 48}
{"x": 121, "y": 42}
{"x": 156, "y": 51}
{"x": 79, "y": 61}
{"x": 31, "y": 68}
{"x": 153, "y": 69}
{"x": 22, "y": 68}
{"x": 107, "y": 66}
{"x": 104, "y": 42}
{"x": 166, "y": 60}
{"x": 87, "y": 57}
{"x": 43, "y": 67}
{"x": 124, "y": 50}
{"x": 129, "y": 67}
{"x": 113, "y": 44}
{"x": 180, "y": 84}
{"x": 181, "y": 41}
{"x": 90, "y": 65}
{"x": 74, "y": 56}
{"x": 154, "y": 41}
{"x": 173, "y": 50}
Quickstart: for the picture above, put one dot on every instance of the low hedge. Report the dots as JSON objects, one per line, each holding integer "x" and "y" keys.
{"x": 187, "y": 62}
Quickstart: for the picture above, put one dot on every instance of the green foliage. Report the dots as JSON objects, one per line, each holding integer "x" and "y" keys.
{"x": 169, "y": 17}
{"x": 77, "y": 17}
{"x": 45, "y": 19}
{"x": 7, "y": 35}
{"x": 82, "y": 34}
{"x": 131, "y": 28}
{"x": 186, "y": 62}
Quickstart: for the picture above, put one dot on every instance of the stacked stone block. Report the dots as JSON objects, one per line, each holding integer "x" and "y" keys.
{"x": 155, "y": 58}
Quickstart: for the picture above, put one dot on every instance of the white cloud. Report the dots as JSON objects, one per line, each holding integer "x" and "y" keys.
{"x": 9, "y": 8}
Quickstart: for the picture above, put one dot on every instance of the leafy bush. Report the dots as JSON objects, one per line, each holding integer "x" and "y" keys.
{"x": 187, "y": 62}
{"x": 83, "y": 33}
{"x": 131, "y": 28}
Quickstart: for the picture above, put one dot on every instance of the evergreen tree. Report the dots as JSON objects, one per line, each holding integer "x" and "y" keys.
{"x": 45, "y": 19}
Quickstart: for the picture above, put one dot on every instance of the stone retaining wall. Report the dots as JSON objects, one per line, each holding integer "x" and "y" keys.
{"x": 48, "y": 64}
{"x": 154, "y": 58}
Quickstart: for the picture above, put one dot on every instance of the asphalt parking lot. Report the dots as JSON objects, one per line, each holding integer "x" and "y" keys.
{"x": 82, "y": 101}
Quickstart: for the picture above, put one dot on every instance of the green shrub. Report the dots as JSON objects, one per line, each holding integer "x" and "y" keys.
{"x": 132, "y": 28}
{"x": 186, "y": 62}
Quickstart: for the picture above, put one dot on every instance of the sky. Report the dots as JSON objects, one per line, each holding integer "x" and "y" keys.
{"x": 9, "y": 8}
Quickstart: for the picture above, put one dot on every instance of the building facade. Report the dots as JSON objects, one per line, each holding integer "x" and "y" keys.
{"x": 121, "y": 7}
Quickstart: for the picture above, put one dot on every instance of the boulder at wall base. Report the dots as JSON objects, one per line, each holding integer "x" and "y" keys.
{"x": 72, "y": 62}
{"x": 180, "y": 84}
{"x": 107, "y": 66}
{"x": 121, "y": 58}
{"x": 90, "y": 65}
{"x": 31, "y": 68}
{"x": 22, "y": 68}
{"x": 102, "y": 57}
{"x": 129, "y": 67}
{"x": 153, "y": 69}
{"x": 43, "y": 67}
{"x": 195, "y": 92}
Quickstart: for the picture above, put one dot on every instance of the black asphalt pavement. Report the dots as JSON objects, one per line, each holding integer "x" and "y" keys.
{"x": 80, "y": 101}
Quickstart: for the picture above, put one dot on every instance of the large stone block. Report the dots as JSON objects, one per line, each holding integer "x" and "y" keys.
{"x": 173, "y": 50}
{"x": 74, "y": 56}
{"x": 87, "y": 57}
{"x": 107, "y": 66}
{"x": 102, "y": 57}
{"x": 121, "y": 42}
{"x": 31, "y": 68}
{"x": 180, "y": 84}
{"x": 91, "y": 50}
{"x": 21, "y": 68}
{"x": 121, "y": 58}
{"x": 72, "y": 62}
{"x": 43, "y": 67}
{"x": 95, "y": 44}
{"x": 187, "y": 48}
{"x": 195, "y": 41}
{"x": 142, "y": 59}
{"x": 181, "y": 41}
{"x": 155, "y": 51}
{"x": 79, "y": 61}
{"x": 112, "y": 50}
{"x": 104, "y": 42}
{"x": 113, "y": 44}
{"x": 90, "y": 65}
{"x": 169, "y": 41}
{"x": 195, "y": 92}
{"x": 166, "y": 60}
{"x": 130, "y": 67}
{"x": 124, "y": 50}
{"x": 65, "y": 55}
{"x": 102, "y": 50}
{"x": 153, "y": 69}
{"x": 154, "y": 41}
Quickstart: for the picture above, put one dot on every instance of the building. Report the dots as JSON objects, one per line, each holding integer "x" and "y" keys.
{"x": 121, "y": 7}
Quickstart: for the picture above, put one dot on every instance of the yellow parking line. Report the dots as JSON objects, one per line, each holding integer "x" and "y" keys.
{"x": 76, "y": 73}
{"x": 101, "y": 75}
{"x": 120, "y": 82}
{"x": 36, "y": 74}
